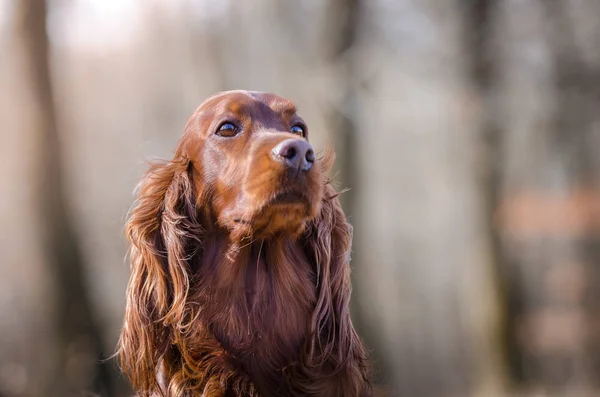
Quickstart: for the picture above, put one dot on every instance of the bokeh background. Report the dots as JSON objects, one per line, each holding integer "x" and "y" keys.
{"x": 468, "y": 132}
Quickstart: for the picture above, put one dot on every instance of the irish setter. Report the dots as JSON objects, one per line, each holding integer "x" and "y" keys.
{"x": 240, "y": 277}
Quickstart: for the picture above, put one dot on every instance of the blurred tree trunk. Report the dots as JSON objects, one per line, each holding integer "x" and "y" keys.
{"x": 482, "y": 64}
{"x": 576, "y": 87}
{"x": 343, "y": 36}
{"x": 75, "y": 362}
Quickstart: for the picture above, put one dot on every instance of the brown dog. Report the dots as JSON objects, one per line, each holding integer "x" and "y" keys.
{"x": 240, "y": 255}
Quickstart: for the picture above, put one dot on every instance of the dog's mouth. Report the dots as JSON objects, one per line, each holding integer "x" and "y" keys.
{"x": 280, "y": 199}
{"x": 288, "y": 197}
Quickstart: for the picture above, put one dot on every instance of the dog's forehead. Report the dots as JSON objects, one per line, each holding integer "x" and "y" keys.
{"x": 237, "y": 102}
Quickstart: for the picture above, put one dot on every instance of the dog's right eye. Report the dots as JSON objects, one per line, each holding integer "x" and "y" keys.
{"x": 227, "y": 130}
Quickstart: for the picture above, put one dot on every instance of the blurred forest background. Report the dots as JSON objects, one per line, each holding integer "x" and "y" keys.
{"x": 467, "y": 130}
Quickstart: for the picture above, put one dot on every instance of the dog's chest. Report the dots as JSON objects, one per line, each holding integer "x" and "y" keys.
{"x": 271, "y": 316}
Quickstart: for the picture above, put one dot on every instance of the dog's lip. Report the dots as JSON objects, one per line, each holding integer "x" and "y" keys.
{"x": 288, "y": 197}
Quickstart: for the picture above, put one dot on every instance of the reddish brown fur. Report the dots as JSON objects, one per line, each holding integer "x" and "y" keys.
{"x": 232, "y": 294}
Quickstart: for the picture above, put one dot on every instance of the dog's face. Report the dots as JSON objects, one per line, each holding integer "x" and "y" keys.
{"x": 255, "y": 166}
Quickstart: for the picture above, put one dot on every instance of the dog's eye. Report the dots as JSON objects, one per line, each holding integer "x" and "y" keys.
{"x": 227, "y": 129}
{"x": 298, "y": 129}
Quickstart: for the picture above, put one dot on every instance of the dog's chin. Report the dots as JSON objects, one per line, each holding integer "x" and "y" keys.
{"x": 286, "y": 219}
{"x": 284, "y": 214}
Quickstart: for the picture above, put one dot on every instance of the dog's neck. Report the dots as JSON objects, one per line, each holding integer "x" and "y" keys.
{"x": 256, "y": 295}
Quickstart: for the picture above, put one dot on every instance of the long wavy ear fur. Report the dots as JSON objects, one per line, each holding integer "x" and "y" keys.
{"x": 163, "y": 232}
{"x": 334, "y": 339}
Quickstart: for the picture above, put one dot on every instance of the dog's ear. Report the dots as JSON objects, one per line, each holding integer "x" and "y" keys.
{"x": 164, "y": 233}
{"x": 334, "y": 342}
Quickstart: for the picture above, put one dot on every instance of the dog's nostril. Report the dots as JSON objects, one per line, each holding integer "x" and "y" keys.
{"x": 286, "y": 149}
{"x": 290, "y": 152}
{"x": 310, "y": 156}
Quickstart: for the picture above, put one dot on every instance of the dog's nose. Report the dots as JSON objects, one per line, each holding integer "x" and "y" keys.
{"x": 295, "y": 153}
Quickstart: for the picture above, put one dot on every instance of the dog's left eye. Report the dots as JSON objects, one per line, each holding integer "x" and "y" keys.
{"x": 227, "y": 129}
{"x": 298, "y": 129}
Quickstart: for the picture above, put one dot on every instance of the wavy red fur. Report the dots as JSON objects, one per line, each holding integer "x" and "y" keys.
{"x": 232, "y": 293}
